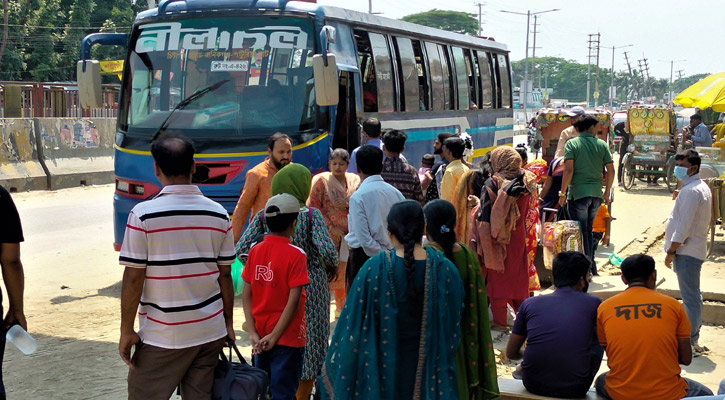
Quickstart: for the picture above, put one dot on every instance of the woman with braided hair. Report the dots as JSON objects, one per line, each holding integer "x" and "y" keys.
{"x": 399, "y": 330}
{"x": 475, "y": 363}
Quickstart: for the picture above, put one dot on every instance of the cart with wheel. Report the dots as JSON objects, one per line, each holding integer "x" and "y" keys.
{"x": 652, "y": 153}
{"x": 550, "y": 122}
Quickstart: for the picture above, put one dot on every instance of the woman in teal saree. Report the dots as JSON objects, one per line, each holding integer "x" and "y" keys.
{"x": 475, "y": 362}
{"x": 398, "y": 333}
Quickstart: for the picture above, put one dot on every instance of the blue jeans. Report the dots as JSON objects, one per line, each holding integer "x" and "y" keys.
{"x": 283, "y": 364}
{"x": 584, "y": 210}
{"x": 2, "y": 353}
{"x": 720, "y": 394}
{"x": 688, "y": 276}
{"x": 694, "y": 389}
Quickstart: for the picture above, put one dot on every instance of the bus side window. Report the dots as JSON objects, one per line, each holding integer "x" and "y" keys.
{"x": 383, "y": 73}
{"x": 408, "y": 75}
{"x": 461, "y": 78}
{"x": 437, "y": 79}
{"x": 448, "y": 78}
{"x": 423, "y": 83}
{"x": 367, "y": 68}
{"x": 505, "y": 80}
{"x": 495, "y": 80}
{"x": 472, "y": 70}
{"x": 485, "y": 87}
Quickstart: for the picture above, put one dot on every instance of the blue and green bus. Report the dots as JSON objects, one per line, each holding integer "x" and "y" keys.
{"x": 251, "y": 69}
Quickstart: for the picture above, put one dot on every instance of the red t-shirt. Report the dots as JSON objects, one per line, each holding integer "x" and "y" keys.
{"x": 273, "y": 267}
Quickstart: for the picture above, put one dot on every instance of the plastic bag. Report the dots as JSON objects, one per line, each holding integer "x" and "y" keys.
{"x": 237, "y": 268}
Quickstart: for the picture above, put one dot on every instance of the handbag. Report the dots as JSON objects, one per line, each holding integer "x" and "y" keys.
{"x": 238, "y": 380}
{"x": 564, "y": 234}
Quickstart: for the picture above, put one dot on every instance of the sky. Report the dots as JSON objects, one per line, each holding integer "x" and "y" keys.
{"x": 687, "y": 32}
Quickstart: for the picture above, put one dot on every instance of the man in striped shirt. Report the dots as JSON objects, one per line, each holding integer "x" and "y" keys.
{"x": 178, "y": 251}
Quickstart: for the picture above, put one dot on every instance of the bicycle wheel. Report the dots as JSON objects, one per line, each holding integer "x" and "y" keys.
{"x": 629, "y": 172}
{"x": 670, "y": 177}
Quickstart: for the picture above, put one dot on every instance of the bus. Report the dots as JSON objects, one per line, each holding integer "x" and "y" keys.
{"x": 228, "y": 74}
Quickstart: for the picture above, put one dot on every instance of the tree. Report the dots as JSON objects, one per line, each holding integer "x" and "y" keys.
{"x": 453, "y": 21}
{"x": 80, "y": 16}
{"x": 42, "y": 60}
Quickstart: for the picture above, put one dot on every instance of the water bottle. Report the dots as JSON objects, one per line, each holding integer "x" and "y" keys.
{"x": 21, "y": 339}
{"x": 615, "y": 260}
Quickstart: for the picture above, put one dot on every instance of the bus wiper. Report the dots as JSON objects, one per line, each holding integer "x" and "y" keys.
{"x": 199, "y": 93}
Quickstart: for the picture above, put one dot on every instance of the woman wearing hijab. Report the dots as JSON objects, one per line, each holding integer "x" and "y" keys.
{"x": 399, "y": 330}
{"x": 330, "y": 194}
{"x": 312, "y": 236}
{"x": 475, "y": 363}
{"x": 500, "y": 234}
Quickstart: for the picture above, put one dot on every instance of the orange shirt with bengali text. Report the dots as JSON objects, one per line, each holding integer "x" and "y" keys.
{"x": 640, "y": 329}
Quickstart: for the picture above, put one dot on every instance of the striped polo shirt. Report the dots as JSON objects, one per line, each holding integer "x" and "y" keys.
{"x": 181, "y": 238}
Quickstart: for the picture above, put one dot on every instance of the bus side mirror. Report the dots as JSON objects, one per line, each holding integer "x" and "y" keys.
{"x": 89, "y": 84}
{"x": 326, "y": 80}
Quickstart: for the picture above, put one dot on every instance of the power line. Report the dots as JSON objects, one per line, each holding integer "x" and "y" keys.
{"x": 66, "y": 27}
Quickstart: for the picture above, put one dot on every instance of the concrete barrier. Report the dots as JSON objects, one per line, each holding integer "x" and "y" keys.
{"x": 77, "y": 151}
{"x": 20, "y": 166}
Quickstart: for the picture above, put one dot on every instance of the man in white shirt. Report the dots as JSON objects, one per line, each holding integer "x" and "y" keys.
{"x": 686, "y": 237}
{"x": 570, "y": 132}
{"x": 369, "y": 208}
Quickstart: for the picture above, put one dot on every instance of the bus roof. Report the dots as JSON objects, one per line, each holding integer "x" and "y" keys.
{"x": 356, "y": 18}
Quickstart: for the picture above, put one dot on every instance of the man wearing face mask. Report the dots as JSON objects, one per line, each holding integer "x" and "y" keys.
{"x": 563, "y": 353}
{"x": 686, "y": 238}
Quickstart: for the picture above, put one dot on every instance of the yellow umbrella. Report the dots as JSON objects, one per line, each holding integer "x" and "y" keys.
{"x": 707, "y": 92}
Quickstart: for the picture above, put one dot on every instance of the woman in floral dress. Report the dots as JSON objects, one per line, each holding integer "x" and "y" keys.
{"x": 312, "y": 236}
{"x": 330, "y": 194}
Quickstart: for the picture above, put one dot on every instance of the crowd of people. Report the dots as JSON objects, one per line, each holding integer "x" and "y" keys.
{"x": 414, "y": 259}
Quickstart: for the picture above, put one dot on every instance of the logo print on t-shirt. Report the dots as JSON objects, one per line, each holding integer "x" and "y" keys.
{"x": 264, "y": 273}
{"x": 650, "y": 310}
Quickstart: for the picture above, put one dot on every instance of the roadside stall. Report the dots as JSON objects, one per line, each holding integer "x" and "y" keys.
{"x": 550, "y": 122}
{"x": 652, "y": 151}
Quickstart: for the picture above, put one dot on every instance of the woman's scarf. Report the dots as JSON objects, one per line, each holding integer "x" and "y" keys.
{"x": 475, "y": 361}
{"x": 338, "y": 194}
{"x": 294, "y": 179}
{"x": 506, "y": 165}
{"x": 460, "y": 203}
{"x": 361, "y": 361}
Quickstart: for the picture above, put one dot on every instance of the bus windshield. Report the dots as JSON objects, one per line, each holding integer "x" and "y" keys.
{"x": 267, "y": 62}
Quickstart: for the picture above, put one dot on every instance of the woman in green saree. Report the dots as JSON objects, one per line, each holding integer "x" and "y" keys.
{"x": 475, "y": 363}
{"x": 398, "y": 333}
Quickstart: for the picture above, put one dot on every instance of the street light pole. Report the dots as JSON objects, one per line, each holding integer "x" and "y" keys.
{"x": 672, "y": 71}
{"x": 611, "y": 74}
{"x": 528, "y": 15}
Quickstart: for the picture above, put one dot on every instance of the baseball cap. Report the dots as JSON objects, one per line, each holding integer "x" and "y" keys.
{"x": 576, "y": 111}
{"x": 283, "y": 203}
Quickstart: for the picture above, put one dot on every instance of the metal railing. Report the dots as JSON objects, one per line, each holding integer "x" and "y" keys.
{"x": 54, "y": 99}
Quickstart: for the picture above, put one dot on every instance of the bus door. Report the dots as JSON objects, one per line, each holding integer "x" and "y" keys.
{"x": 346, "y": 130}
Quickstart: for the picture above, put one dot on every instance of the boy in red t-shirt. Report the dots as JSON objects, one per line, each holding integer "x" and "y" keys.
{"x": 274, "y": 298}
{"x": 600, "y": 231}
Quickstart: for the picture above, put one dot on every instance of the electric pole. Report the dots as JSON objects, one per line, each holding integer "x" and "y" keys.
{"x": 480, "y": 16}
{"x": 632, "y": 82}
{"x": 528, "y": 15}
{"x": 593, "y": 44}
{"x": 370, "y": 6}
{"x": 680, "y": 74}
{"x": 533, "y": 52}
{"x": 611, "y": 74}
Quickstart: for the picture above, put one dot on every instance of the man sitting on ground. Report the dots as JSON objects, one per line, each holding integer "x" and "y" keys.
{"x": 562, "y": 353}
{"x": 646, "y": 335}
